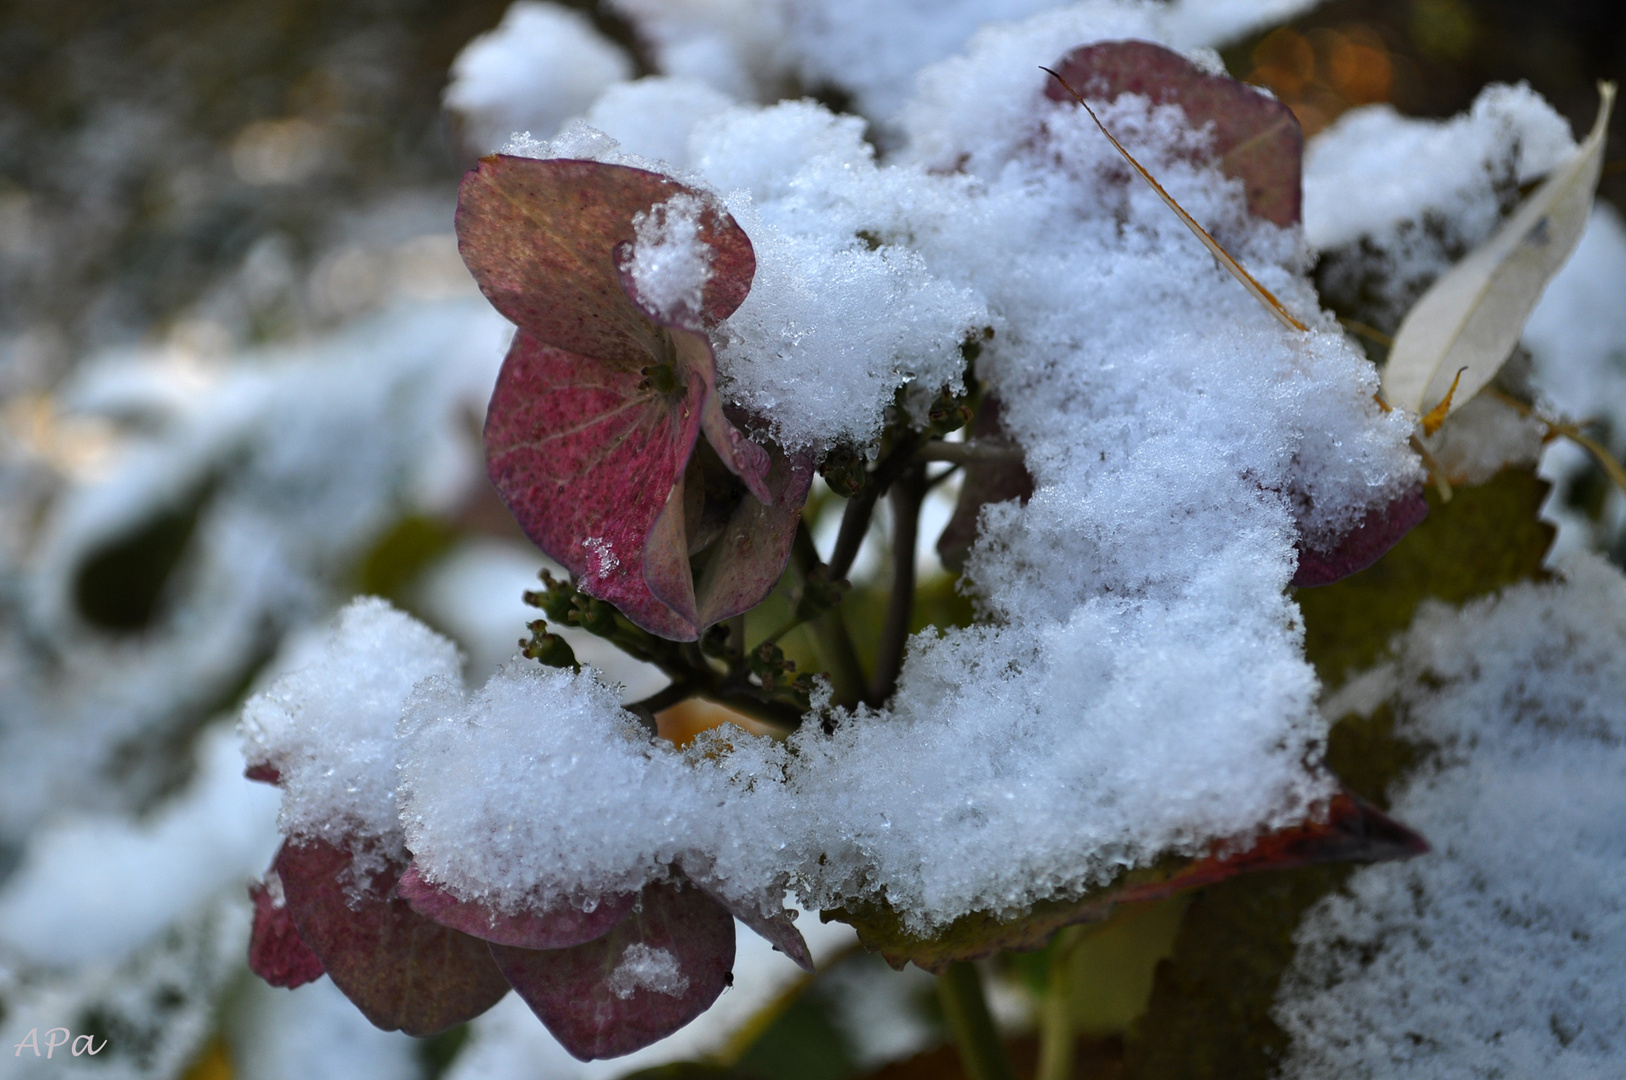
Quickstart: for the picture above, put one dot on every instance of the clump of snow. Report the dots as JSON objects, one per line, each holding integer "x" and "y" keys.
{"x": 328, "y": 729}
{"x": 1392, "y": 201}
{"x": 644, "y": 968}
{"x": 1500, "y": 953}
{"x": 544, "y": 64}
{"x": 569, "y": 797}
{"x": 668, "y": 262}
{"x": 1484, "y": 436}
{"x": 842, "y": 310}
{"x": 1577, "y": 332}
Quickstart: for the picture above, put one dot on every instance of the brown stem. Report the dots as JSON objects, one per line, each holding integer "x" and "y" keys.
{"x": 905, "y": 497}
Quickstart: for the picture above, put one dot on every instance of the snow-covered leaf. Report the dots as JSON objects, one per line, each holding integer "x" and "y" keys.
{"x": 1348, "y": 830}
{"x": 558, "y": 928}
{"x": 403, "y": 971}
{"x": 1256, "y": 138}
{"x": 662, "y": 966}
{"x": 1470, "y": 319}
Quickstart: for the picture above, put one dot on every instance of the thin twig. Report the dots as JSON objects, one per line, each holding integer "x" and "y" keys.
{"x": 1571, "y": 431}
{"x": 1371, "y": 333}
{"x": 855, "y": 518}
{"x": 905, "y": 497}
{"x": 830, "y": 630}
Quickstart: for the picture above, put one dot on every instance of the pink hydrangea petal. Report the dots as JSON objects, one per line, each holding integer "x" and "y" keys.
{"x": 557, "y": 928}
{"x": 585, "y": 461}
{"x": 596, "y": 1013}
{"x": 1256, "y": 138}
{"x": 403, "y": 971}
{"x": 276, "y": 952}
{"x": 541, "y": 238}
{"x": 740, "y": 569}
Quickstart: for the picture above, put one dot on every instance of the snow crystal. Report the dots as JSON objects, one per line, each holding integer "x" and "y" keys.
{"x": 1499, "y": 954}
{"x": 566, "y": 793}
{"x": 644, "y": 968}
{"x": 544, "y": 64}
{"x": 329, "y": 728}
{"x": 669, "y": 266}
{"x": 841, "y": 312}
{"x": 1394, "y": 201}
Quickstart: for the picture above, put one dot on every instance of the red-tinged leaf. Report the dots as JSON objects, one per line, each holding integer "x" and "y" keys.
{"x": 984, "y": 483}
{"x": 662, "y": 966}
{"x": 585, "y": 456}
{"x": 1256, "y": 138}
{"x": 264, "y": 773}
{"x": 403, "y": 971}
{"x": 276, "y": 952}
{"x": 541, "y": 239}
{"x": 1380, "y": 530}
{"x": 1349, "y": 831}
{"x": 558, "y": 928}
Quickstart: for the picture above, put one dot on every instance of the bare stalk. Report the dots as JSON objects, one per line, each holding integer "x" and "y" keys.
{"x": 905, "y": 497}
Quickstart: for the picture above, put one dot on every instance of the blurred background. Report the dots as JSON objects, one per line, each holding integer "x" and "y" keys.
{"x": 242, "y": 376}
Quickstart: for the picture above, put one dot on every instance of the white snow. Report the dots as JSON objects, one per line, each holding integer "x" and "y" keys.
{"x": 544, "y": 64}
{"x": 329, "y": 728}
{"x": 644, "y": 968}
{"x": 1498, "y": 954}
{"x": 668, "y": 262}
{"x": 1394, "y": 201}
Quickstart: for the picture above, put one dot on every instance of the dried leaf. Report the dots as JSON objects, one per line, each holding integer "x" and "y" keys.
{"x": 1381, "y": 529}
{"x": 1350, "y": 831}
{"x": 662, "y": 966}
{"x": 1234, "y": 268}
{"x": 558, "y": 928}
{"x": 1472, "y": 316}
{"x": 403, "y": 971}
{"x": 276, "y": 952}
{"x": 1256, "y": 138}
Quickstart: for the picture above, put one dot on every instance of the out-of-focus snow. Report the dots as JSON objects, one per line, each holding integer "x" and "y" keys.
{"x": 543, "y": 65}
{"x": 1499, "y": 953}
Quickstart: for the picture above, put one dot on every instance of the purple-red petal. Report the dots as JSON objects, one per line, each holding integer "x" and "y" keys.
{"x": 276, "y": 952}
{"x": 1380, "y": 530}
{"x": 590, "y": 997}
{"x": 1256, "y": 138}
{"x": 557, "y": 928}
{"x": 540, "y": 238}
{"x": 586, "y": 461}
{"x": 403, "y": 971}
